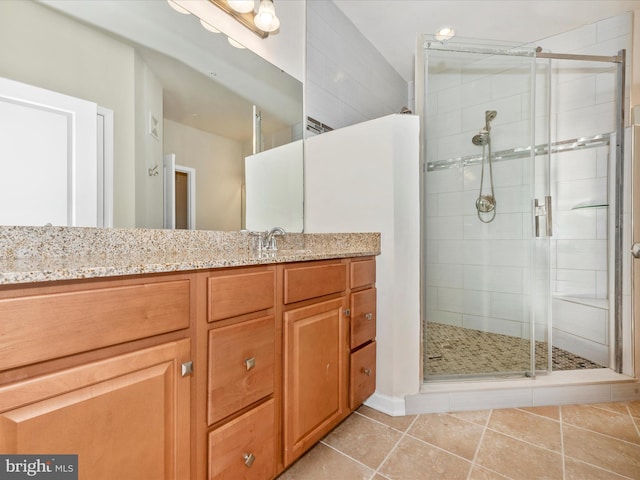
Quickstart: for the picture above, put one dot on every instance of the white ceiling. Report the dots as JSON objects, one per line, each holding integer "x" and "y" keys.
{"x": 392, "y": 26}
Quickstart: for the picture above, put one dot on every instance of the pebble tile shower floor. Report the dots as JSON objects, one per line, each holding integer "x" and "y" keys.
{"x": 455, "y": 350}
{"x": 569, "y": 442}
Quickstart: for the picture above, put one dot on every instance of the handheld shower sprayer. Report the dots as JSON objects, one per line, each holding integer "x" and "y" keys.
{"x": 486, "y": 203}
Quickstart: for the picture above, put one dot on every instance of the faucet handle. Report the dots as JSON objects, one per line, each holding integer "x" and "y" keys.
{"x": 270, "y": 239}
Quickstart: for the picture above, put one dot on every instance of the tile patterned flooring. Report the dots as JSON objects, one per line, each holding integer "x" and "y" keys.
{"x": 453, "y": 350}
{"x": 569, "y": 442}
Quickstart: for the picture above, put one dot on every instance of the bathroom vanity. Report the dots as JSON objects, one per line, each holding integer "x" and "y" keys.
{"x": 203, "y": 360}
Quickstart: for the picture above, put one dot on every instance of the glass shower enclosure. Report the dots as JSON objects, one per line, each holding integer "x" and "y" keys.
{"x": 509, "y": 242}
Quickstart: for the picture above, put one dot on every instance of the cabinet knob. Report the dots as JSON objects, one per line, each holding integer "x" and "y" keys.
{"x": 366, "y": 371}
{"x": 250, "y": 363}
{"x": 249, "y": 458}
{"x": 368, "y": 316}
{"x": 186, "y": 368}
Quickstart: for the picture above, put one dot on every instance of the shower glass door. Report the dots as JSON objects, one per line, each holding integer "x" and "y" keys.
{"x": 483, "y": 264}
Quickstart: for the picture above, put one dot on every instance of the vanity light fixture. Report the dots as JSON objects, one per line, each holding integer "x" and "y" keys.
{"x": 242, "y": 6}
{"x": 261, "y": 21}
{"x": 444, "y": 34}
{"x": 178, "y": 8}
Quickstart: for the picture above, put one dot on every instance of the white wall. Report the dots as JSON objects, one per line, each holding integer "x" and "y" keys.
{"x": 364, "y": 178}
{"x": 347, "y": 80}
{"x": 149, "y": 154}
{"x": 219, "y": 172}
{"x": 273, "y": 189}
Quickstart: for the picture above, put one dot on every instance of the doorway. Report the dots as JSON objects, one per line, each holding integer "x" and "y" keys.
{"x": 179, "y": 196}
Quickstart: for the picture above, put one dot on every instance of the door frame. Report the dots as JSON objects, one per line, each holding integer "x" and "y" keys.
{"x": 191, "y": 195}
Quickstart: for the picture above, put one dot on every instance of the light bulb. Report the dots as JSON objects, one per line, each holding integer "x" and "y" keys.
{"x": 242, "y": 6}
{"x": 266, "y": 19}
{"x": 234, "y": 43}
{"x": 206, "y": 26}
{"x": 178, "y": 8}
{"x": 446, "y": 33}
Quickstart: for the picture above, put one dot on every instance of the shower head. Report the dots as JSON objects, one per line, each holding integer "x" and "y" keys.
{"x": 489, "y": 115}
{"x": 482, "y": 138}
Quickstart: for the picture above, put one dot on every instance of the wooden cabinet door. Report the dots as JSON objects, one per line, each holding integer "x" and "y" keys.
{"x": 244, "y": 448}
{"x": 315, "y": 364}
{"x": 125, "y": 417}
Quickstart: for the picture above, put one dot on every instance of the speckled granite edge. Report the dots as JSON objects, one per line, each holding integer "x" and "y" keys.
{"x": 40, "y": 254}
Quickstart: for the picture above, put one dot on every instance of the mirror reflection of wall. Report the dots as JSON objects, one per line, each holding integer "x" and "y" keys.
{"x": 207, "y": 125}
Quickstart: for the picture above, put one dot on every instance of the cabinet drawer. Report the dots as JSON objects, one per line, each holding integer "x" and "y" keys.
{"x": 363, "y": 273}
{"x": 241, "y": 366}
{"x": 244, "y": 447}
{"x": 42, "y": 327}
{"x": 303, "y": 283}
{"x": 363, "y": 317}
{"x": 240, "y": 293}
{"x": 363, "y": 375}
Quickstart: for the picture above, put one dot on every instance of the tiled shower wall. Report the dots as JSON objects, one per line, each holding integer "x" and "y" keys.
{"x": 347, "y": 80}
{"x": 477, "y": 274}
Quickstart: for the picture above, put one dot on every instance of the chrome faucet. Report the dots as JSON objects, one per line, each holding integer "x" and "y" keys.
{"x": 270, "y": 238}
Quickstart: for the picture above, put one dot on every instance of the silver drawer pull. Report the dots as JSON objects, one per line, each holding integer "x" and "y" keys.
{"x": 250, "y": 363}
{"x": 249, "y": 458}
{"x": 368, "y": 316}
{"x": 366, "y": 371}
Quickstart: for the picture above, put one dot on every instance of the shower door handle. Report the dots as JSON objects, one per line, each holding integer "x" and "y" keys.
{"x": 543, "y": 211}
{"x": 635, "y": 250}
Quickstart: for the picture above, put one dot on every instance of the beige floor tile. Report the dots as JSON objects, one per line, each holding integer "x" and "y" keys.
{"x": 364, "y": 440}
{"x": 324, "y": 463}
{"x": 602, "y": 451}
{"x": 575, "y": 470}
{"x": 516, "y": 459}
{"x": 540, "y": 431}
{"x": 602, "y": 421}
{"x": 618, "y": 407}
{"x": 476, "y": 416}
{"x": 479, "y": 473}
{"x": 634, "y": 408}
{"x": 399, "y": 423}
{"x": 449, "y": 433}
{"x": 415, "y": 460}
{"x": 549, "y": 412}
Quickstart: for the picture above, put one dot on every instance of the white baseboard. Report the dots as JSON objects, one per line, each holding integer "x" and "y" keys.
{"x": 393, "y": 406}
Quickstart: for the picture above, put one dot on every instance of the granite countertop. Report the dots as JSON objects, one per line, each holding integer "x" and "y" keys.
{"x": 42, "y": 254}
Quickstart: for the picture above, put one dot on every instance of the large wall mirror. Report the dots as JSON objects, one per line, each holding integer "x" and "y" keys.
{"x": 179, "y": 97}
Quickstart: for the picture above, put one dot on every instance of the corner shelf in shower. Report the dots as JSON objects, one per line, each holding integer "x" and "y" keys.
{"x": 602, "y": 303}
{"x": 523, "y": 152}
{"x": 589, "y": 204}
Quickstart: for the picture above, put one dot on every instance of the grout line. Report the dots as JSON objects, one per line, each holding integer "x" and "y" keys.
{"x": 602, "y": 469}
{"x": 522, "y": 409}
{"x": 404, "y": 434}
{"x": 633, "y": 420}
{"x": 382, "y": 423}
{"x": 347, "y": 456}
{"x": 475, "y": 455}
{"x": 604, "y": 435}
